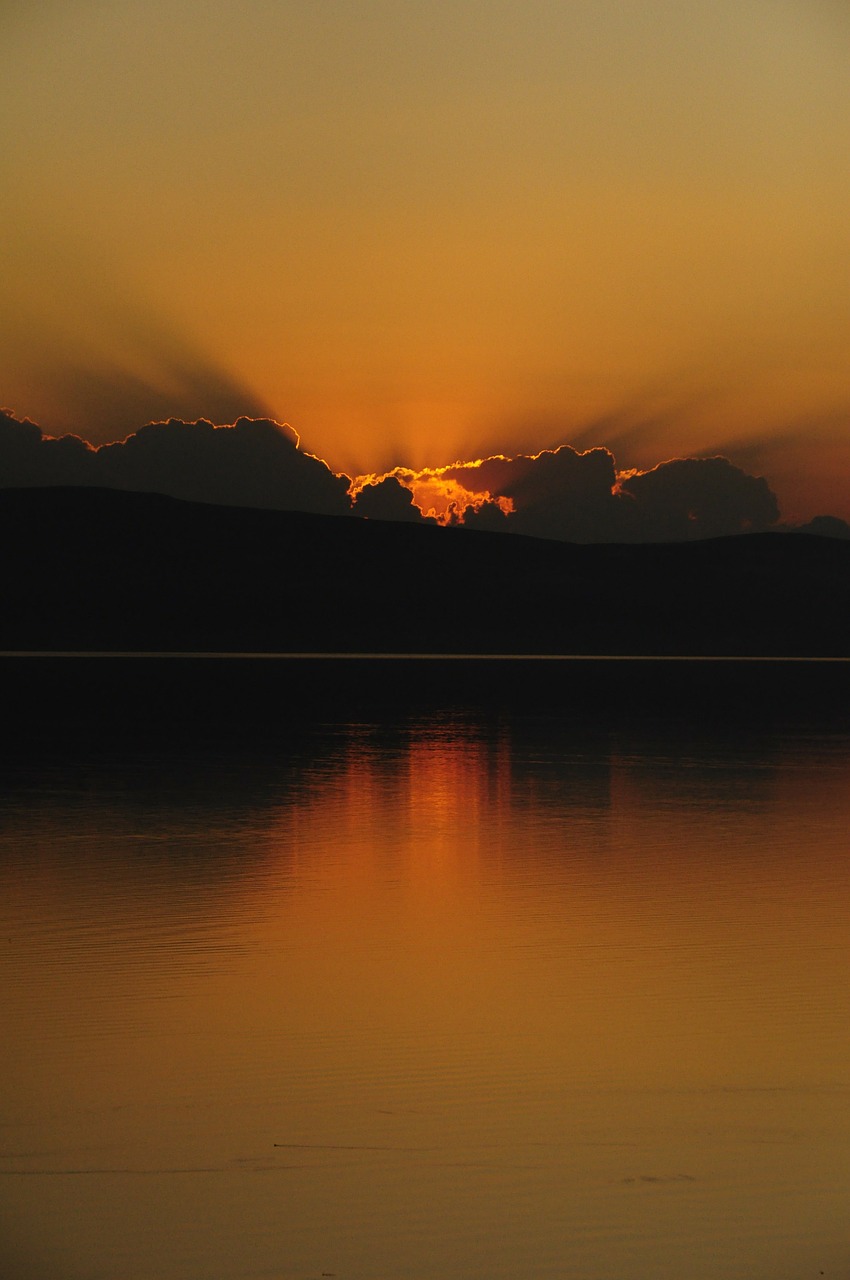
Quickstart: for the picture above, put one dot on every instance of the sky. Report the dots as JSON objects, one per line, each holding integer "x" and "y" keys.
{"x": 431, "y": 231}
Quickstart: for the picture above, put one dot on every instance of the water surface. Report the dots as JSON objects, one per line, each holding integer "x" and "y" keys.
{"x": 434, "y": 996}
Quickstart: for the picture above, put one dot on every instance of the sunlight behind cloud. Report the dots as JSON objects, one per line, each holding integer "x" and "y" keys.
{"x": 434, "y": 230}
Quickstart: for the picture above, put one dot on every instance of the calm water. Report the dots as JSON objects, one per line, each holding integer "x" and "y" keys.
{"x": 434, "y": 997}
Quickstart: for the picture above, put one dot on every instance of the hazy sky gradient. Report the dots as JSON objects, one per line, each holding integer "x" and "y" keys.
{"x": 422, "y": 231}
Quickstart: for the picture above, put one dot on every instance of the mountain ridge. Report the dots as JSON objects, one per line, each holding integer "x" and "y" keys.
{"x": 98, "y": 569}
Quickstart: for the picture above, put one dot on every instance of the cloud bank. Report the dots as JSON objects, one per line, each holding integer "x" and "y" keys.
{"x": 581, "y": 497}
{"x": 252, "y": 463}
{"x": 558, "y": 493}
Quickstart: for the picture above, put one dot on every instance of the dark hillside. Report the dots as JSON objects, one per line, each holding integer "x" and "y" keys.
{"x": 90, "y": 569}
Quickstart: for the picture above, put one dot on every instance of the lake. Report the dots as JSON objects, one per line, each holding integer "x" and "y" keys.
{"x": 437, "y": 991}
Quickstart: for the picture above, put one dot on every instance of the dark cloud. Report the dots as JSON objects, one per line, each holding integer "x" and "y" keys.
{"x": 559, "y": 493}
{"x": 827, "y": 527}
{"x": 28, "y": 458}
{"x": 697, "y": 498}
{"x": 578, "y": 497}
{"x": 253, "y": 463}
{"x": 566, "y": 495}
{"x": 488, "y": 516}
{"x": 387, "y": 499}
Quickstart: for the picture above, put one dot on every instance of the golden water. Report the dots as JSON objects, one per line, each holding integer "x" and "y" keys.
{"x": 443, "y": 998}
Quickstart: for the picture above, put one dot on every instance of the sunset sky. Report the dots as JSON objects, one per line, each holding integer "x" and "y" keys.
{"x": 425, "y": 231}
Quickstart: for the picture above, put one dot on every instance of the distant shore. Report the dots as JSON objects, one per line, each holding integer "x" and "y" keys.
{"x": 87, "y": 570}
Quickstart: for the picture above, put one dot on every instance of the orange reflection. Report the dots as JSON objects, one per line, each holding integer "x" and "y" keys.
{"x": 435, "y": 965}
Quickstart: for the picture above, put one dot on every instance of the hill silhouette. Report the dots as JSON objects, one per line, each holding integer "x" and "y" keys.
{"x": 94, "y": 569}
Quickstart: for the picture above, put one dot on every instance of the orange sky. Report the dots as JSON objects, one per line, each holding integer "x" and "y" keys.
{"x": 433, "y": 230}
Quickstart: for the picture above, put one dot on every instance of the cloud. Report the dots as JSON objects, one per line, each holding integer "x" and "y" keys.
{"x": 827, "y": 527}
{"x": 558, "y": 493}
{"x": 253, "y": 463}
{"x": 489, "y": 516}
{"x": 806, "y": 458}
{"x": 577, "y": 496}
{"x": 29, "y": 458}
{"x": 387, "y": 499}
{"x": 697, "y": 497}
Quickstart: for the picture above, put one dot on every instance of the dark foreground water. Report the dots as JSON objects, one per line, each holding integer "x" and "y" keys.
{"x": 448, "y": 990}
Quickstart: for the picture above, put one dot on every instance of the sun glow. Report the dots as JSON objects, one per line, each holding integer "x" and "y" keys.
{"x": 438, "y": 495}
